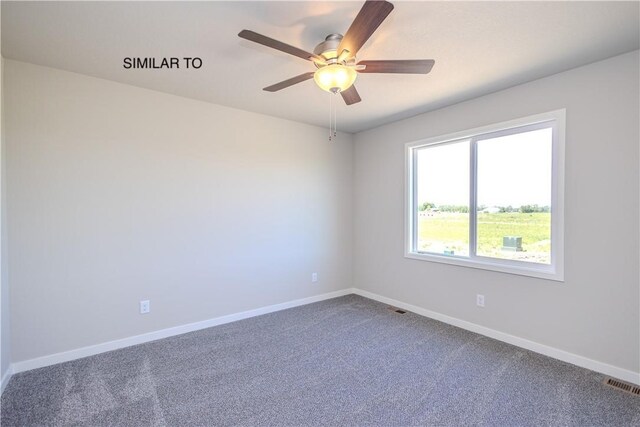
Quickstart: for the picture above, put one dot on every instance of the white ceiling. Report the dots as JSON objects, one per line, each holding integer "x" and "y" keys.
{"x": 479, "y": 47}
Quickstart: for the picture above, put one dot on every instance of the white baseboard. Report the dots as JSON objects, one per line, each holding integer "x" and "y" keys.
{"x": 5, "y": 379}
{"x": 555, "y": 353}
{"x": 594, "y": 365}
{"x": 79, "y": 353}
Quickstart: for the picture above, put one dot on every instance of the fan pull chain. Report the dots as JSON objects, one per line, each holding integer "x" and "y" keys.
{"x": 335, "y": 121}
{"x": 330, "y": 106}
{"x": 333, "y": 118}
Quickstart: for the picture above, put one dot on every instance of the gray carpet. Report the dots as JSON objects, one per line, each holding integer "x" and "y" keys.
{"x": 346, "y": 361}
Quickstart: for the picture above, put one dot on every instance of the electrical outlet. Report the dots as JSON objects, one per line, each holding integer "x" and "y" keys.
{"x": 145, "y": 306}
{"x": 314, "y": 277}
{"x": 480, "y": 300}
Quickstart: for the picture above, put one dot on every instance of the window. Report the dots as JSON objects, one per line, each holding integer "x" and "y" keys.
{"x": 490, "y": 197}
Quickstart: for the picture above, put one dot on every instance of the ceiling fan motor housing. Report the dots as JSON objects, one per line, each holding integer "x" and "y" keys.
{"x": 329, "y": 47}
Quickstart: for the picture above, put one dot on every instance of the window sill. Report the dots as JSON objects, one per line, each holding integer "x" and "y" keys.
{"x": 541, "y": 272}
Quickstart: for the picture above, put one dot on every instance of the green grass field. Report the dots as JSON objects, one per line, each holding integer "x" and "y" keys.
{"x": 440, "y": 231}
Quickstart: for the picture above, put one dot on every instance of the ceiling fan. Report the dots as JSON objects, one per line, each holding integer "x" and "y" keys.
{"x": 335, "y": 58}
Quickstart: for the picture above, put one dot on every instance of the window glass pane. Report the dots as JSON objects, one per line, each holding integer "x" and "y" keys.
{"x": 442, "y": 199}
{"x": 514, "y": 197}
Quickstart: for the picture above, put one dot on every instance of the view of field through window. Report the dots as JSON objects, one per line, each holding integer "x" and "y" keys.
{"x": 513, "y": 179}
{"x": 443, "y": 199}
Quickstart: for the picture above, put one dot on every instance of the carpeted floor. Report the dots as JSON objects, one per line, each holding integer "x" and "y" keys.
{"x": 346, "y": 361}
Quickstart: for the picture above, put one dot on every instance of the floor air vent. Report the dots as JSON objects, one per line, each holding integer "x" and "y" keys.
{"x": 628, "y": 388}
{"x": 397, "y": 310}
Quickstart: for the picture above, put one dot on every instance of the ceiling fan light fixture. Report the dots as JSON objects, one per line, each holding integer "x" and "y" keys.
{"x": 335, "y": 77}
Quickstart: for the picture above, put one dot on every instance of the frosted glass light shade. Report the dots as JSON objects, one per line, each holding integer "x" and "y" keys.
{"x": 335, "y": 77}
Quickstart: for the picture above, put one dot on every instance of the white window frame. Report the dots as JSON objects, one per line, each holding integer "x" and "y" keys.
{"x": 553, "y": 271}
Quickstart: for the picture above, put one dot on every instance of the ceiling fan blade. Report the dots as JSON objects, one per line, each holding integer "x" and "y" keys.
{"x": 290, "y": 82}
{"x": 411, "y": 66}
{"x": 351, "y": 96}
{"x": 275, "y": 44}
{"x": 369, "y": 18}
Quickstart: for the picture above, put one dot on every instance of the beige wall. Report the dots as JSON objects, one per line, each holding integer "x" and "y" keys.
{"x": 595, "y": 313}
{"x": 118, "y": 194}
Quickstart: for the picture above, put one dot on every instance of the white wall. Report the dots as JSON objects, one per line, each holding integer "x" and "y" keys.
{"x": 595, "y": 313}
{"x": 5, "y": 349}
{"x": 5, "y": 338}
{"x": 117, "y": 194}
{"x": 5, "y": 333}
